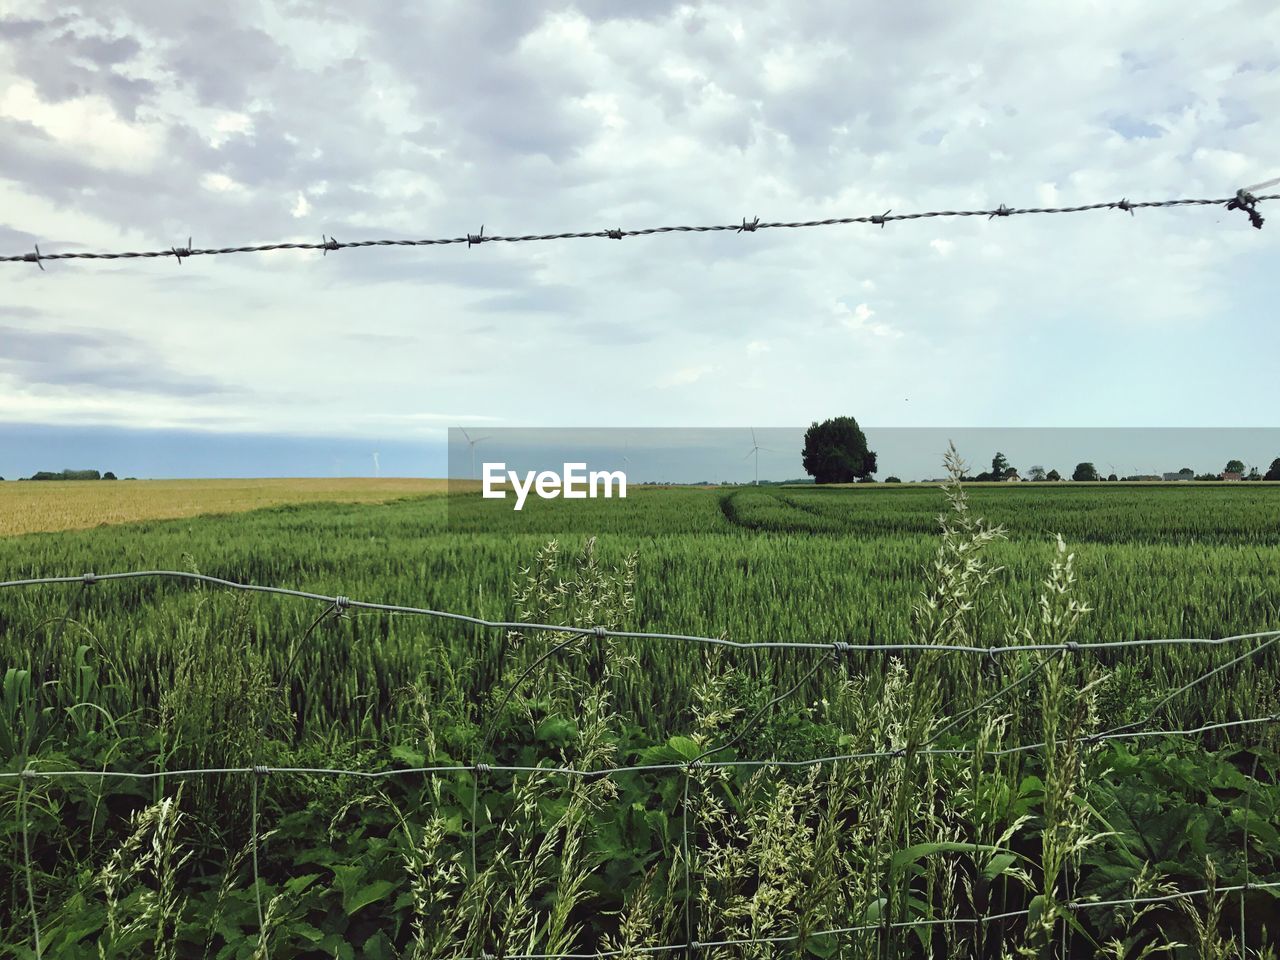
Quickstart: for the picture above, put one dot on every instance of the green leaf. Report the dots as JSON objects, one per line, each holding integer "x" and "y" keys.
{"x": 874, "y": 911}
{"x": 920, "y": 850}
{"x": 306, "y": 931}
{"x": 334, "y": 946}
{"x": 409, "y": 756}
{"x": 558, "y": 730}
{"x": 354, "y": 900}
{"x": 823, "y": 945}
{"x": 998, "y": 865}
{"x": 378, "y": 947}
{"x": 684, "y": 748}
{"x": 296, "y": 885}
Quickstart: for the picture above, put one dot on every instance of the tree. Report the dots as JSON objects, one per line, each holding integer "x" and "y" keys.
{"x": 835, "y": 451}
{"x": 999, "y": 465}
{"x": 1036, "y": 473}
{"x": 1112, "y": 478}
{"x": 108, "y": 475}
{"x": 1254, "y": 474}
{"x": 1274, "y": 472}
{"x": 1085, "y": 473}
{"x": 1053, "y": 475}
{"x": 892, "y": 479}
{"x": 1186, "y": 472}
{"x": 1234, "y": 466}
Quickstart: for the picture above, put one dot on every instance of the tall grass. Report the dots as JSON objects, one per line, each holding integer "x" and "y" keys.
{"x": 910, "y": 847}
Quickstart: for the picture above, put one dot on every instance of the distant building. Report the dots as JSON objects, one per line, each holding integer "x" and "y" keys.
{"x": 1230, "y": 475}
{"x": 1013, "y": 478}
{"x": 1177, "y": 477}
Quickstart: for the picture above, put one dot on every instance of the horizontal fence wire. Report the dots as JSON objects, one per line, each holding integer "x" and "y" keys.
{"x": 337, "y": 604}
{"x": 33, "y": 773}
{"x": 873, "y": 927}
{"x": 340, "y": 603}
{"x": 1243, "y": 200}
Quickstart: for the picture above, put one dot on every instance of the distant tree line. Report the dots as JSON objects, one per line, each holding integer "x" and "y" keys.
{"x": 69, "y": 475}
{"x": 836, "y": 451}
{"x": 1086, "y": 472}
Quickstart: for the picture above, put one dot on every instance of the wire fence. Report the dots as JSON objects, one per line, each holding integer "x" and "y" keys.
{"x": 337, "y": 604}
{"x": 1243, "y": 200}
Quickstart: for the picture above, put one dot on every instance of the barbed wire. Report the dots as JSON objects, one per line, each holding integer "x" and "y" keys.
{"x": 340, "y": 603}
{"x": 1243, "y": 200}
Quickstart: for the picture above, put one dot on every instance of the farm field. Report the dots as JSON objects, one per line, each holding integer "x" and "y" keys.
{"x": 908, "y": 845}
{"x": 51, "y": 505}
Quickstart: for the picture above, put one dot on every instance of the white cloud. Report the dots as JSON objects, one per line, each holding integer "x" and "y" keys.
{"x": 225, "y": 124}
{"x": 84, "y": 124}
{"x": 782, "y": 111}
{"x": 221, "y": 183}
{"x": 859, "y": 320}
{"x": 684, "y": 376}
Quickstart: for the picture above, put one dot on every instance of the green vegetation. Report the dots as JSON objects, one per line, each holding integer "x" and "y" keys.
{"x": 147, "y": 675}
{"x": 835, "y": 451}
{"x": 70, "y": 475}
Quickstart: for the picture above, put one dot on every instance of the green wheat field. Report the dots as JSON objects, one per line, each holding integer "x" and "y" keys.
{"x": 945, "y": 843}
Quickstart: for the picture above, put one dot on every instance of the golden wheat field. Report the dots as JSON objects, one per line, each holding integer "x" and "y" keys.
{"x": 49, "y": 505}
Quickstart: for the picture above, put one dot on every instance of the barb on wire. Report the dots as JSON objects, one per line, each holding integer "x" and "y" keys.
{"x": 1244, "y": 199}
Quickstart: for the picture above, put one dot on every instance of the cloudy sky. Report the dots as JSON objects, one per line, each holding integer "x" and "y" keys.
{"x": 131, "y": 126}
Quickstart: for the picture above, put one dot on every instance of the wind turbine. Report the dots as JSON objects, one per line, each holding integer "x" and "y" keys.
{"x": 377, "y": 471}
{"x": 472, "y": 444}
{"x": 755, "y": 450}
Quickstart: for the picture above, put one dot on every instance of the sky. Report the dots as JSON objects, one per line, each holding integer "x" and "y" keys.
{"x": 132, "y": 126}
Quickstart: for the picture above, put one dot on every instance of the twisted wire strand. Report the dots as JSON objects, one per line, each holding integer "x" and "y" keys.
{"x": 1242, "y": 200}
